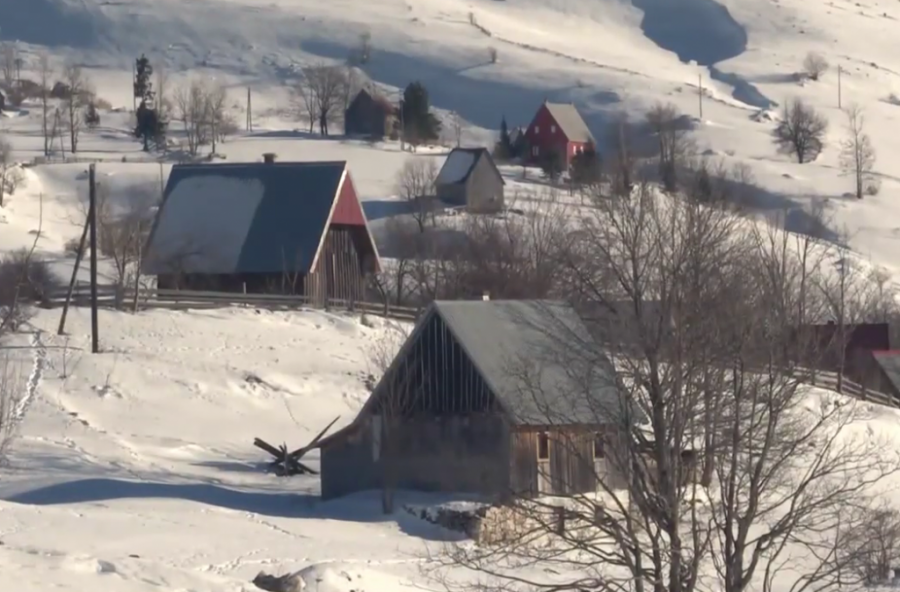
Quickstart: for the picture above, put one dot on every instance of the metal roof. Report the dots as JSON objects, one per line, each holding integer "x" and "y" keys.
{"x": 243, "y": 217}
{"x": 461, "y": 162}
{"x": 889, "y": 361}
{"x": 570, "y": 122}
{"x": 538, "y": 359}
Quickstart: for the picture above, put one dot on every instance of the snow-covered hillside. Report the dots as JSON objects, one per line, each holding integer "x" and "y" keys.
{"x": 134, "y": 470}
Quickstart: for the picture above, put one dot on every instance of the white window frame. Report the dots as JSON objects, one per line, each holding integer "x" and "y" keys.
{"x": 537, "y": 129}
{"x": 552, "y": 129}
{"x": 534, "y": 151}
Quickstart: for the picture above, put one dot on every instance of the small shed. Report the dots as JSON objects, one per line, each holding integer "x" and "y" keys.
{"x": 371, "y": 115}
{"x": 470, "y": 178}
{"x": 290, "y": 228}
{"x": 485, "y": 397}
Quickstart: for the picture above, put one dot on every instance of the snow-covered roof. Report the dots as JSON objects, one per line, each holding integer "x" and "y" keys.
{"x": 242, "y": 218}
{"x": 457, "y": 166}
{"x": 570, "y": 122}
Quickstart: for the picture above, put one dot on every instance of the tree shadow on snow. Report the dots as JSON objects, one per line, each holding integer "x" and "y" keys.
{"x": 363, "y": 507}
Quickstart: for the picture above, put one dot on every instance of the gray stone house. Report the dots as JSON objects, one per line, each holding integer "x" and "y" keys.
{"x": 470, "y": 178}
{"x": 479, "y": 401}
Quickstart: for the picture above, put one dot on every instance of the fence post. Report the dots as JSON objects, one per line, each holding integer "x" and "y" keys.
{"x": 560, "y": 520}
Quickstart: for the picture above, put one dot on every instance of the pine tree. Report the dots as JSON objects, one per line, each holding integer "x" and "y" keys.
{"x": 586, "y": 167}
{"x": 504, "y": 136}
{"x": 552, "y": 165}
{"x": 91, "y": 116}
{"x": 150, "y": 126}
{"x": 418, "y": 121}
{"x": 143, "y": 72}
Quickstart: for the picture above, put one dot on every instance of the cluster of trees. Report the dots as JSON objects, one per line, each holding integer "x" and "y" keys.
{"x": 199, "y": 104}
{"x": 802, "y": 132}
{"x": 734, "y": 473}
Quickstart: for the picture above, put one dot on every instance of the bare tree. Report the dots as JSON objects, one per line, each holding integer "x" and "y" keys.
{"x": 162, "y": 102}
{"x": 456, "y": 127}
{"x": 814, "y": 65}
{"x": 697, "y": 313}
{"x": 325, "y": 85}
{"x": 870, "y": 545}
{"x": 6, "y": 163}
{"x": 191, "y": 102}
{"x": 362, "y": 53}
{"x": 801, "y": 131}
{"x": 303, "y": 103}
{"x": 623, "y": 162}
{"x": 77, "y": 91}
{"x": 673, "y": 143}
{"x": 45, "y": 80}
{"x": 9, "y": 59}
{"x": 216, "y": 112}
{"x": 857, "y": 152}
{"x": 415, "y": 184}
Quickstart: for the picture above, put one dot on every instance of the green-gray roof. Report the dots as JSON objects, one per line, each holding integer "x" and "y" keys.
{"x": 243, "y": 217}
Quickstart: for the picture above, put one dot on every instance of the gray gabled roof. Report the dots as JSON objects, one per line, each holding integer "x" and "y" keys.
{"x": 538, "y": 359}
{"x": 461, "y": 162}
{"x": 243, "y": 217}
{"x": 570, "y": 122}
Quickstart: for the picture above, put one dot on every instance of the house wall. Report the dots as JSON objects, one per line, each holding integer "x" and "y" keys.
{"x": 339, "y": 270}
{"x": 453, "y": 194}
{"x": 364, "y": 117}
{"x": 459, "y": 454}
{"x": 484, "y": 189}
{"x": 571, "y": 467}
{"x": 251, "y": 283}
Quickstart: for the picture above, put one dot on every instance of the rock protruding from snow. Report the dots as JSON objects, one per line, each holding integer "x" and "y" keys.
{"x": 283, "y": 583}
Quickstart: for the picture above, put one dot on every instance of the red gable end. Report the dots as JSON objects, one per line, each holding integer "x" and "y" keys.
{"x": 348, "y": 209}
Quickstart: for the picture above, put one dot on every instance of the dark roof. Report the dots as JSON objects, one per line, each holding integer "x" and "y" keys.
{"x": 243, "y": 217}
{"x": 461, "y": 162}
{"x": 537, "y": 358}
{"x": 381, "y": 101}
{"x": 570, "y": 122}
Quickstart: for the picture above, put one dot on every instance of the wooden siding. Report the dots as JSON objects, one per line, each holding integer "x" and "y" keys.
{"x": 545, "y": 139}
{"x": 571, "y": 467}
{"x": 484, "y": 188}
{"x": 464, "y": 454}
{"x": 339, "y": 268}
{"x": 347, "y": 210}
{"x": 366, "y": 116}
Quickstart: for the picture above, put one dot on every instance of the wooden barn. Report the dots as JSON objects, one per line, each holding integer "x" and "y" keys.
{"x": 371, "y": 116}
{"x": 470, "y": 178}
{"x": 480, "y": 400}
{"x": 557, "y": 128}
{"x": 270, "y": 227}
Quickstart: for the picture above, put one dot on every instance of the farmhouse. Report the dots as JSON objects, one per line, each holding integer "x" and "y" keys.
{"x": 371, "y": 116}
{"x": 290, "y": 228}
{"x": 470, "y": 178}
{"x": 557, "y": 128}
{"x": 480, "y": 400}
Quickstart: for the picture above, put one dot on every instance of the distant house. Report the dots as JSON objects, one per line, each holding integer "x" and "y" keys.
{"x": 370, "y": 115}
{"x": 478, "y": 401}
{"x": 470, "y": 178}
{"x": 292, "y": 227}
{"x": 557, "y": 128}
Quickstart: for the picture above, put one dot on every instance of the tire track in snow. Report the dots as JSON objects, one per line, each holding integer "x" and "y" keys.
{"x": 39, "y": 355}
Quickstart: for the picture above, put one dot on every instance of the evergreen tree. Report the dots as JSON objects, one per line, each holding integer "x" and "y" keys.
{"x": 504, "y": 136}
{"x": 143, "y": 72}
{"x": 150, "y": 127}
{"x": 552, "y": 164}
{"x": 419, "y": 122}
{"x": 91, "y": 116}
{"x": 586, "y": 167}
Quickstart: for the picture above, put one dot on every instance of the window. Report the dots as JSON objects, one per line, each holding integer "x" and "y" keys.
{"x": 552, "y": 129}
{"x": 534, "y": 151}
{"x": 599, "y": 451}
{"x": 537, "y": 129}
{"x": 543, "y": 445}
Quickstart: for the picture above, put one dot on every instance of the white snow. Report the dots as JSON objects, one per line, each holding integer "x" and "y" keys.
{"x": 455, "y": 167}
{"x": 204, "y": 223}
{"x": 134, "y": 470}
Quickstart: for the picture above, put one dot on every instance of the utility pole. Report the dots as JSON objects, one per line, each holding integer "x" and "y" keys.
{"x": 249, "y": 112}
{"x": 700, "y": 93}
{"x": 839, "y": 87}
{"x": 402, "y": 129}
{"x": 92, "y": 216}
{"x": 78, "y": 257}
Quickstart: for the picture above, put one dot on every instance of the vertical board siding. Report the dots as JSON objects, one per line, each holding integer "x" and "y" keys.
{"x": 338, "y": 274}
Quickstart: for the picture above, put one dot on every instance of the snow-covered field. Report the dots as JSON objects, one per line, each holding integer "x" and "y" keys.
{"x": 134, "y": 469}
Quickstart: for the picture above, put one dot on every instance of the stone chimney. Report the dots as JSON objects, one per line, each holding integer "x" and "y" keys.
{"x": 269, "y": 157}
{"x": 486, "y": 296}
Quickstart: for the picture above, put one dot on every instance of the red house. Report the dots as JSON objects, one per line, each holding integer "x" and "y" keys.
{"x": 556, "y": 127}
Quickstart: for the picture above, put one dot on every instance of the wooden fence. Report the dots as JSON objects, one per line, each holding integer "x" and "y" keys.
{"x": 829, "y": 380}
{"x": 111, "y": 297}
